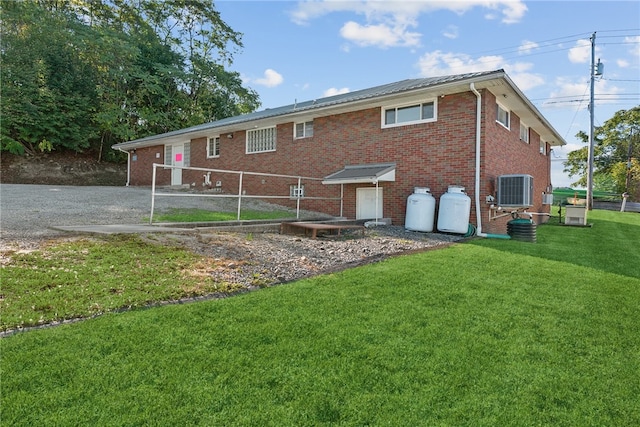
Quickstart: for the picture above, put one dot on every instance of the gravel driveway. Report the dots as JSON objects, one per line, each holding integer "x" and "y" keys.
{"x": 28, "y": 211}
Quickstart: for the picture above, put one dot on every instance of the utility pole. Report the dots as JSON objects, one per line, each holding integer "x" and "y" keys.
{"x": 627, "y": 180}
{"x": 596, "y": 70}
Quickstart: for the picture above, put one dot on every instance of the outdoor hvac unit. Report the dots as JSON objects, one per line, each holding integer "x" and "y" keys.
{"x": 515, "y": 190}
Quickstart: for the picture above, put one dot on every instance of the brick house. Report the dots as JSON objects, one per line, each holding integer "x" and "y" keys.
{"x": 377, "y": 144}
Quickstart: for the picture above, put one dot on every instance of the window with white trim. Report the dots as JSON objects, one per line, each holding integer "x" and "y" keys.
{"x": 502, "y": 116}
{"x": 295, "y": 191}
{"x": 409, "y": 114}
{"x": 261, "y": 140}
{"x": 524, "y": 133}
{"x": 303, "y": 130}
{"x": 168, "y": 160}
{"x": 543, "y": 147}
{"x": 186, "y": 155}
{"x": 213, "y": 147}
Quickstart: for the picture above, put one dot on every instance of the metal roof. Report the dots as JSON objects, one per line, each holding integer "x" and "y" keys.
{"x": 233, "y": 123}
{"x": 353, "y": 174}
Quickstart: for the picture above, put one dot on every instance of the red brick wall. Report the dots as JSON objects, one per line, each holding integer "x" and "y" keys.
{"x": 435, "y": 155}
{"x": 142, "y": 161}
{"x": 504, "y": 153}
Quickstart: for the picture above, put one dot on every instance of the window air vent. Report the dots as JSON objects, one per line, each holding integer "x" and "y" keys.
{"x": 515, "y": 190}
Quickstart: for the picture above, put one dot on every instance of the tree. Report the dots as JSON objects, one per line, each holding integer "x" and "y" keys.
{"x": 616, "y": 160}
{"x": 84, "y": 74}
{"x": 47, "y": 88}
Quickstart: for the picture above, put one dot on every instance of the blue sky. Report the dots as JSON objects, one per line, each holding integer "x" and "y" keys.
{"x": 306, "y": 50}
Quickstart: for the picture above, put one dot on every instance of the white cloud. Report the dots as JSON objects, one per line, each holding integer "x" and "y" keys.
{"x": 334, "y": 91}
{"x": 439, "y": 63}
{"x": 568, "y": 92}
{"x": 451, "y": 32}
{"x": 378, "y": 35}
{"x": 577, "y": 93}
{"x": 391, "y": 22}
{"x": 622, "y": 63}
{"x": 581, "y": 52}
{"x": 526, "y": 81}
{"x": 271, "y": 78}
{"x": 527, "y": 47}
{"x": 513, "y": 12}
{"x": 635, "y": 45}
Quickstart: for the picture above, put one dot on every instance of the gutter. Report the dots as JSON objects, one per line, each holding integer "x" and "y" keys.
{"x": 128, "y": 165}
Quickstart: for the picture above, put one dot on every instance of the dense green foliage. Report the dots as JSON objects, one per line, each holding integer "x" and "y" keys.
{"x": 616, "y": 158}
{"x": 488, "y": 333}
{"x": 84, "y": 74}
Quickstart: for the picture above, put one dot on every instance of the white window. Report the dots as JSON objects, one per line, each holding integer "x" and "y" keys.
{"x": 296, "y": 192}
{"x": 186, "y": 160}
{"x": 303, "y": 130}
{"x": 213, "y": 147}
{"x": 168, "y": 155}
{"x": 502, "y": 116}
{"x": 261, "y": 140}
{"x": 543, "y": 147}
{"x": 409, "y": 114}
{"x": 524, "y": 133}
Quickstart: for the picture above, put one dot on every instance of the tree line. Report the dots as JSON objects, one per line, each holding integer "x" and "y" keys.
{"x": 80, "y": 75}
{"x": 616, "y": 155}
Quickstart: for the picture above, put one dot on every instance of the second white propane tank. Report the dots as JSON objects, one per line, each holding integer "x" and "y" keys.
{"x": 455, "y": 208}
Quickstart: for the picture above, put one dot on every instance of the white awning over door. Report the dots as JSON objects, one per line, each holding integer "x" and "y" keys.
{"x": 363, "y": 174}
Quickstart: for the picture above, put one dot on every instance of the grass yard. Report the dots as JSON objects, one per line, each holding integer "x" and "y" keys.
{"x": 486, "y": 333}
{"x": 202, "y": 215}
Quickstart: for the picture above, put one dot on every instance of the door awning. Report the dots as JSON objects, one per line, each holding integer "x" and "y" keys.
{"x": 360, "y": 174}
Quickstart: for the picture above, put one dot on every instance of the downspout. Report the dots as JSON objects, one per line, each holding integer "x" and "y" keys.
{"x": 128, "y": 165}
{"x": 479, "y": 232}
{"x": 472, "y": 86}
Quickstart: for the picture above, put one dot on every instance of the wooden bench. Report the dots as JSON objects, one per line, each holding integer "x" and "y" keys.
{"x": 315, "y": 227}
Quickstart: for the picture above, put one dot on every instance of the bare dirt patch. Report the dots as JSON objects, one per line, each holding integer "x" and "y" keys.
{"x": 61, "y": 169}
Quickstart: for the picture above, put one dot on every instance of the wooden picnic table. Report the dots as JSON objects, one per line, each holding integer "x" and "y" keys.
{"x": 315, "y": 227}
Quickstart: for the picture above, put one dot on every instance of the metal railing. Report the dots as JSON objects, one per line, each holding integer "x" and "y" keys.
{"x": 241, "y": 193}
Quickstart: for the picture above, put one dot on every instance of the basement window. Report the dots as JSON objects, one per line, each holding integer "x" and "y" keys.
{"x": 296, "y": 192}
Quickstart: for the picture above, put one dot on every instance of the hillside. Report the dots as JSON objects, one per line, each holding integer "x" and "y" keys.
{"x": 61, "y": 169}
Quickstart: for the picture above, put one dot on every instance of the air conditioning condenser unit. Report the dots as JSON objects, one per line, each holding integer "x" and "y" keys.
{"x": 515, "y": 190}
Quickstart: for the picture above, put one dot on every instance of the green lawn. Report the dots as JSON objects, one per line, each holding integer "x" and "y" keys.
{"x": 202, "y": 215}
{"x": 486, "y": 333}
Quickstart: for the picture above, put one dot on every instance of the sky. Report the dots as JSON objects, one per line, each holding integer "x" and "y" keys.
{"x": 304, "y": 50}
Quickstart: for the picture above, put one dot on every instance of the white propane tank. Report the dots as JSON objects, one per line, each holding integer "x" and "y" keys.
{"x": 421, "y": 208}
{"x": 455, "y": 207}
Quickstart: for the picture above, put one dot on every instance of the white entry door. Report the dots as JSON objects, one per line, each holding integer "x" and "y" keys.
{"x": 368, "y": 206}
{"x": 177, "y": 159}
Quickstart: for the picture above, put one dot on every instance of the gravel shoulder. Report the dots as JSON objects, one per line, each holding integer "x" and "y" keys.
{"x": 28, "y": 211}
